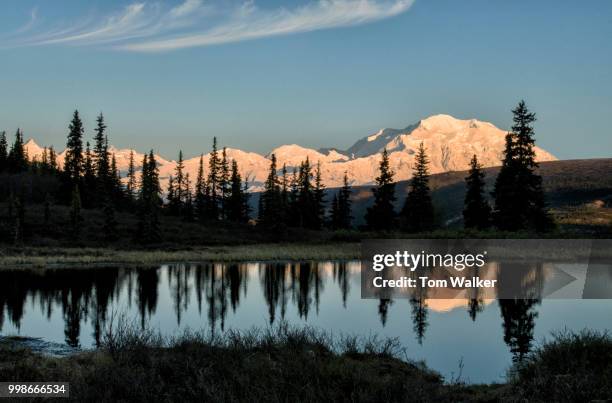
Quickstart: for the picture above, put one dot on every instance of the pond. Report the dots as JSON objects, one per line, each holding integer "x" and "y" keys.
{"x": 474, "y": 340}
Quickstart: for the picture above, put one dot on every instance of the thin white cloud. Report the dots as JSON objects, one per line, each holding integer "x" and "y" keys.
{"x": 151, "y": 27}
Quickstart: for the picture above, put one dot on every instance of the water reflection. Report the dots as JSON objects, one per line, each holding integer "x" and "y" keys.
{"x": 218, "y": 290}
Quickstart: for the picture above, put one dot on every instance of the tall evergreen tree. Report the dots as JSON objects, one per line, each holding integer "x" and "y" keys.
{"x": 293, "y": 217}
{"x": 17, "y": 159}
{"x": 344, "y": 204}
{"x": 201, "y": 209}
{"x": 101, "y": 157}
{"x": 187, "y": 205}
{"x": 476, "y": 211}
{"x": 73, "y": 164}
{"x": 270, "y": 212}
{"x": 89, "y": 179}
{"x": 177, "y": 194}
{"x": 3, "y": 152}
{"x": 149, "y": 201}
{"x": 224, "y": 182}
{"x": 132, "y": 184}
{"x": 319, "y": 198}
{"x": 53, "y": 160}
{"x": 214, "y": 168}
{"x": 235, "y": 204}
{"x": 285, "y": 186}
{"x": 417, "y": 215}
{"x": 115, "y": 182}
{"x": 381, "y": 216}
{"x": 307, "y": 207}
{"x": 518, "y": 193}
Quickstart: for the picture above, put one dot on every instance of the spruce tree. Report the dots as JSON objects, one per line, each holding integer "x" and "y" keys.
{"x": 89, "y": 179}
{"x": 187, "y": 205}
{"x": 285, "y": 189}
{"x": 131, "y": 185}
{"x": 381, "y": 215}
{"x": 236, "y": 198}
{"x": 417, "y": 215}
{"x": 214, "y": 167}
{"x": 476, "y": 211}
{"x": 73, "y": 164}
{"x": 53, "y": 160}
{"x": 224, "y": 182}
{"x": 307, "y": 207}
{"x": 149, "y": 202}
{"x": 344, "y": 204}
{"x": 116, "y": 185}
{"x": 101, "y": 157}
{"x": 176, "y": 188}
{"x": 319, "y": 198}
{"x": 271, "y": 197}
{"x": 518, "y": 193}
{"x": 293, "y": 215}
{"x": 200, "y": 193}
{"x": 3, "y": 152}
{"x": 17, "y": 159}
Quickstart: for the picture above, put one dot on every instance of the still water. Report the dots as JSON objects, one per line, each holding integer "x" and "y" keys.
{"x": 476, "y": 340}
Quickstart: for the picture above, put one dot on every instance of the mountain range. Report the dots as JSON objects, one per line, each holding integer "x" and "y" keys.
{"x": 450, "y": 144}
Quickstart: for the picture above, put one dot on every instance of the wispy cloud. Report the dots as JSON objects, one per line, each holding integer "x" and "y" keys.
{"x": 152, "y": 27}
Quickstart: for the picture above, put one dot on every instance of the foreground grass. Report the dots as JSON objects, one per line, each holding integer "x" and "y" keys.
{"x": 284, "y": 364}
{"x": 302, "y": 365}
{"x": 44, "y": 257}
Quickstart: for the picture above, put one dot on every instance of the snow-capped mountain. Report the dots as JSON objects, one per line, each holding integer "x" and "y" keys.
{"x": 450, "y": 145}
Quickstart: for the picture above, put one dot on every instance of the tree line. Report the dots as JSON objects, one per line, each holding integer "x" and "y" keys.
{"x": 90, "y": 179}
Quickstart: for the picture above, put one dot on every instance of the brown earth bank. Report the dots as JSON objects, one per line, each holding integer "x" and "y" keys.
{"x": 301, "y": 365}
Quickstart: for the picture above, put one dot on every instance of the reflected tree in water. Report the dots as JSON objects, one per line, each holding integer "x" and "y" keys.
{"x": 147, "y": 280}
{"x": 383, "y": 309}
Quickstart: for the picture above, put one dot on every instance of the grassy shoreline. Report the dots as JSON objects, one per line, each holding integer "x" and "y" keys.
{"x": 302, "y": 364}
{"x": 41, "y": 257}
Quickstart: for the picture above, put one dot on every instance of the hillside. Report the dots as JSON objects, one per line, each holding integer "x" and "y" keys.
{"x": 568, "y": 184}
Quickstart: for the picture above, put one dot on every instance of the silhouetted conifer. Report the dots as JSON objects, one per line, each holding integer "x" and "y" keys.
{"x": 381, "y": 215}
{"x": 3, "y": 152}
{"x": 132, "y": 185}
{"x": 17, "y": 159}
{"x": 224, "y": 183}
{"x": 73, "y": 164}
{"x": 319, "y": 199}
{"x": 417, "y": 215}
{"x": 476, "y": 211}
{"x": 214, "y": 194}
{"x": 236, "y": 199}
{"x": 270, "y": 212}
{"x": 518, "y": 193}
{"x": 89, "y": 180}
{"x": 149, "y": 202}
{"x": 201, "y": 209}
{"x": 344, "y": 204}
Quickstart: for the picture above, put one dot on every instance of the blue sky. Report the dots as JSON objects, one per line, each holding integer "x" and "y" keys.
{"x": 172, "y": 74}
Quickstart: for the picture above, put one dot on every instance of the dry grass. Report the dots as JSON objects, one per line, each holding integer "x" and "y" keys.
{"x": 58, "y": 257}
